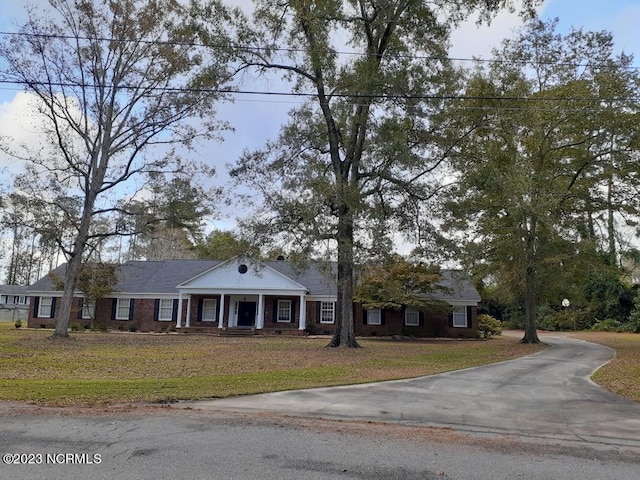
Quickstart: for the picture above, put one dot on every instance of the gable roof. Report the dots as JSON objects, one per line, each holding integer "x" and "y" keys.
{"x": 457, "y": 288}
{"x": 163, "y": 277}
{"x": 235, "y": 275}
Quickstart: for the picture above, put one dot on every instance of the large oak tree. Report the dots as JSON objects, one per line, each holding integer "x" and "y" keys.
{"x": 356, "y": 159}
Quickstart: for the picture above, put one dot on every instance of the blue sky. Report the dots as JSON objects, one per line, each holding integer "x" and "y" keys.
{"x": 257, "y": 119}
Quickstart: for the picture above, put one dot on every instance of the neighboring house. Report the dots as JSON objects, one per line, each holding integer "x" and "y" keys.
{"x": 14, "y": 302}
{"x": 262, "y": 297}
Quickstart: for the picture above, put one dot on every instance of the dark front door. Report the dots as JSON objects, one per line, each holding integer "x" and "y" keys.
{"x": 246, "y": 314}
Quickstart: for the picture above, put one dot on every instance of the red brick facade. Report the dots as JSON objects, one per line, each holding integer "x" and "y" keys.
{"x": 143, "y": 316}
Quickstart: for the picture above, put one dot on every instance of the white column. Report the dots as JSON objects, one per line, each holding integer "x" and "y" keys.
{"x": 303, "y": 313}
{"x": 188, "y": 321}
{"x": 179, "y": 319}
{"x": 260, "y": 322}
{"x": 221, "y": 314}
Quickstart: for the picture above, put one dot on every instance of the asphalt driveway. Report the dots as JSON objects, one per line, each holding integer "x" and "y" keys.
{"x": 547, "y": 395}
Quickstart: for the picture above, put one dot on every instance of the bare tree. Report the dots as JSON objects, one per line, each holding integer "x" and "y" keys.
{"x": 117, "y": 85}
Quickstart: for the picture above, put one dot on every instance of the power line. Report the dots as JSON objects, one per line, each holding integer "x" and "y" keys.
{"x": 259, "y": 49}
{"x": 381, "y": 96}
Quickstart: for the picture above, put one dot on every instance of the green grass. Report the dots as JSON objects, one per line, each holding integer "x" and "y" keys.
{"x": 100, "y": 368}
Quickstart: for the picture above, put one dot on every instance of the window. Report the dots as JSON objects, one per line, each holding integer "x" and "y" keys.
{"x": 327, "y": 312}
{"x": 122, "y": 308}
{"x": 165, "y": 310}
{"x": 88, "y": 308}
{"x": 209, "y": 309}
{"x": 22, "y": 300}
{"x": 460, "y": 316}
{"x": 45, "y": 307}
{"x": 374, "y": 317}
{"x": 284, "y": 311}
{"x": 4, "y": 299}
{"x": 411, "y": 317}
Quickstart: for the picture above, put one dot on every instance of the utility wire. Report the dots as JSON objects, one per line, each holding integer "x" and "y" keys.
{"x": 259, "y": 49}
{"x": 381, "y": 96}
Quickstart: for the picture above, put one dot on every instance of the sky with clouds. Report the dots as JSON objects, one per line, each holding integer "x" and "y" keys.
{"x": 256, "y": 119}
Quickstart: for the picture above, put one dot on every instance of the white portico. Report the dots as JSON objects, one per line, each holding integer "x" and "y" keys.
{"x": 240, "y": 293}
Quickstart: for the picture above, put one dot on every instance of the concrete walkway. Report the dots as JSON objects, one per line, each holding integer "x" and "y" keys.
{"x": 547, "y": 395}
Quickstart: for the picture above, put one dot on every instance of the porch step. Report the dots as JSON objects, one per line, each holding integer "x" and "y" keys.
{"x": 237, "y": 332}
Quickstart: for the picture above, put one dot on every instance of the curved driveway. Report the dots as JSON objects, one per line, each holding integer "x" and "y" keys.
{"x": 545, "y": 395}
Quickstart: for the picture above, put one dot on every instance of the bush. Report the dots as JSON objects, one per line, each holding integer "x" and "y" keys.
{"x": 633, "y": 324}
{"x": 562, "y": 320}
{"x": 607, "y": 325}
{"x": 76, "y": 328}
{"x": 18, "y": 323}
{"x": 488, "y": 326}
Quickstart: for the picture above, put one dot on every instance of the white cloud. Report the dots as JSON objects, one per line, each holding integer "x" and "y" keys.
{"x": 20, "y": 127}
{"x": 471, "y": 40}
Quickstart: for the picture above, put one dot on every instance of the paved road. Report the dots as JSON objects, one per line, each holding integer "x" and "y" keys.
{"x": 575, "y": 430}
{"x": 546, "y": 395}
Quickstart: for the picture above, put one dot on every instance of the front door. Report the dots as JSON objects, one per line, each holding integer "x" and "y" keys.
{"x": 246, "y": 314}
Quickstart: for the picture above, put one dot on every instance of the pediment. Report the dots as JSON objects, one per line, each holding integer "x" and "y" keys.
{"x": 242, "y": 275}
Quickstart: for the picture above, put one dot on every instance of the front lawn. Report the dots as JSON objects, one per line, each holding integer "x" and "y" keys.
{"x": 622, "y": 374}
{"x": 93, "y": 368}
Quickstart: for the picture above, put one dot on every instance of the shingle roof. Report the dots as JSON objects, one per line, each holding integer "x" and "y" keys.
{"x": 162, "y": 277}
{"x": 13, "y": 289}
{"x": 457, "y": 285}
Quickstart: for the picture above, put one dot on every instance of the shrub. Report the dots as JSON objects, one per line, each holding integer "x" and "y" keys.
{"x": 606, "y": 325}
{"x": 488, "y": 326}
{"x": 18, "y": 323}
{"x": 76, "y": 328}
{"x": 633, "y": 324}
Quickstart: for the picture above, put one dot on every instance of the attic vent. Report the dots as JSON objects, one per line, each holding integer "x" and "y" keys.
{"x": 280, "y": 258}
{"x": 242, "y": 268}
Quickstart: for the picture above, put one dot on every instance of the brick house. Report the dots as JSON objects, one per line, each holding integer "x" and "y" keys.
{"x": 261, "y": 297}
{"x": 14, "y": 302}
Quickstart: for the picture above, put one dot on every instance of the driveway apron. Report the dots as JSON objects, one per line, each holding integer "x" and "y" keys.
{"x": 546, "y": 395}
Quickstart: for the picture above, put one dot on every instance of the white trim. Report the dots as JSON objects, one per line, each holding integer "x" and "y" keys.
{"x": 221, "y": 314}
{"x": 119, "y": 306}
{"x": 187, "y": 323}
{"x": 460, "y": 315}
{"x": 179, "y": 316}
{"x": 458, "y": 302}
{"x": 378, "y": 319}
{"x": 161, "y": 307}
{"x": 41, "y": 313}
{"x": 242, "y": 291}
{"x": 412, "y": 323}
{"x": 322, "y": 298}
{"x": 260, "y": 319}
{"x": 213, "y": 308}
{"x": 86, "y": 312}
{"x": 333, "y": 312}
{"x": 277, "y": 312}
{"x": 302, "y": 318}
{"x": 238, "y": 290}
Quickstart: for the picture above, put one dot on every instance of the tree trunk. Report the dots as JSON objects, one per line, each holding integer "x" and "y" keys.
{"x": 344, "y": 333}
{"x": 611, "y": 232}
{"x": 530, "y": 306}
{"x": 74, "y": 265}
{"x": 70, "y": 281}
